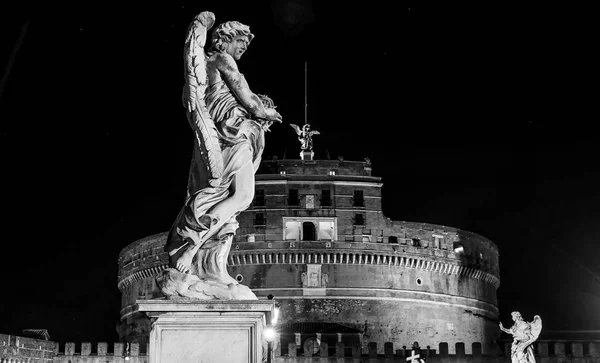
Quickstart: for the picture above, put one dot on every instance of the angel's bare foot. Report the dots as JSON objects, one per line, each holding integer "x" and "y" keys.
{"x": 185, "y": 260}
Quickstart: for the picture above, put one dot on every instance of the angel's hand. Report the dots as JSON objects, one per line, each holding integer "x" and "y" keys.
{"x": 273, "y": 115}
{"x": 266, "y": 125}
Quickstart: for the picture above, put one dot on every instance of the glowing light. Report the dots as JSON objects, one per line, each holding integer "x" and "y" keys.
{"x": 270, "y": 334}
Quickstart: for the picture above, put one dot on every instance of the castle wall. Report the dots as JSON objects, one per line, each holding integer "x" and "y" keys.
{"x": 395, "y": 279}
{"x": 24, "y": 349}
{"x": 86, "y": 352}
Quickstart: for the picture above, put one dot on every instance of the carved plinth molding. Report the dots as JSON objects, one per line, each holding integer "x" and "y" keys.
{"x": 207, "y": 331}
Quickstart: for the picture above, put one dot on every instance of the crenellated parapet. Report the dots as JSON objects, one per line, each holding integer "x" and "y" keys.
{"x": 87, "y": 352}
{"x": 459, "y": 352}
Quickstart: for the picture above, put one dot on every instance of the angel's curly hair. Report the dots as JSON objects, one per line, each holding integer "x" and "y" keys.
{"x": 225, "y": 32}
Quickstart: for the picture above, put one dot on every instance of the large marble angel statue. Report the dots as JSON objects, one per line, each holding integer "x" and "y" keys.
{"x": 524, "y": 334}
{"x": 305, "y": 135}
{"x": 229, "y": 123}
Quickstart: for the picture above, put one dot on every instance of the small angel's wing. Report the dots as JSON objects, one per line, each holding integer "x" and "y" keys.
{"x": 536, "y": 327}
{"x": 193, "y": 95}
{"x": 297, "y": 128}
{"x": 315, "y": 132}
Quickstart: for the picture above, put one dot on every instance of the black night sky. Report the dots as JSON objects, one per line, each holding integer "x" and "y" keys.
{"x": 480, "y": 118}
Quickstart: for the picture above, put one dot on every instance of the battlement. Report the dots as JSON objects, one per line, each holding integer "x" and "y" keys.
{"x": 117, "y": 352}
{"x": 545, "y": 352}
{"x": 309, "y": 168}
{"x": 86, "y": 352}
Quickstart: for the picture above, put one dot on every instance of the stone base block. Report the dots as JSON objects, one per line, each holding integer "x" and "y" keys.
{"x": 206, "y": 331}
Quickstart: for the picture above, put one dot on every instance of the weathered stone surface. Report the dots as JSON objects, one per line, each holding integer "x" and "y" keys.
{"x": 210, "y": 331}
{"x": 176, "y": 285}
{"x": 399, "y": 293}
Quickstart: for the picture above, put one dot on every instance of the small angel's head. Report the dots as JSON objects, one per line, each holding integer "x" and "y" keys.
{"x": 306, "y": 128}
{"x": 231, "y": 37}
{"x": 516, "y": 316}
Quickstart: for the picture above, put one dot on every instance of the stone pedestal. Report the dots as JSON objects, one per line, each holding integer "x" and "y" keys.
{"x": 192, "y": 331}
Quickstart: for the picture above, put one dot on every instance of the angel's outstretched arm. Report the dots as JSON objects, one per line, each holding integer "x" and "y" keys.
{"x": 297, "y": 129}
{"x": 238, "y": 85}
{"x": 507, "y": 331}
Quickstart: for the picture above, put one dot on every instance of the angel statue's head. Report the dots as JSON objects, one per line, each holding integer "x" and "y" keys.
{"x": 231, "y": 37}
{"x": 516, "y": 316}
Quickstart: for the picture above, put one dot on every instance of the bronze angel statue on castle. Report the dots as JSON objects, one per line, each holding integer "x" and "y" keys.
{"x": 305, "y": 135}
{"x": 229, "y": 123}
{"x": 524, "y": 334}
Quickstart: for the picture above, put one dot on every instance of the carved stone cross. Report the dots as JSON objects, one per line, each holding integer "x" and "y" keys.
{"x": 415, "y": 358}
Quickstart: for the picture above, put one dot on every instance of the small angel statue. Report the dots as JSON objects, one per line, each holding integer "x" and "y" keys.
{"x": 305, "y": 136}
{"x": 524, "y": 334}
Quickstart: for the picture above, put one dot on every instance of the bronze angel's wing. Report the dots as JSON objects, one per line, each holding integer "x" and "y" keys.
{"x": 297, "y": 128}
{"x": 536, "y": 327}
{"x": 315, "y": 132}
{"x": 193, "y": 95}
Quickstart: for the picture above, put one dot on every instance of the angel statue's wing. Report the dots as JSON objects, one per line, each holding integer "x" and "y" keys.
{"x": 297, "y": 128}
{"x": 536, "y": 327}
{"x": 193, "y": 95}
{"x": 315, "y": 132}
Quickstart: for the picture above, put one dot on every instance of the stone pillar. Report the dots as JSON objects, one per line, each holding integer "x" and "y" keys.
{"x": 277, "y": 348}
{"x": 559, "y": 349}
{"x": 69, "y": 348}
{"x": 188, "y": 331}
{"x": 308, "y": 348}
{"x": 118, "y": 350}
{"x": 102, "y": 349}
{"x": 542, "y": 349}
{"x": 324, "y": 349}
{"x": 340, "y": 349}
{"x": 356, "y": 350}
{"x": 594, "y": 351}
{"x": 577, "y": 349}
{"x": 134, "y": 349}
{"x": 86, "y": 349}
{"x": 292, "y": 349}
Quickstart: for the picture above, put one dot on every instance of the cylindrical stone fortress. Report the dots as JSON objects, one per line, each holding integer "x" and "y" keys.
{"x": 316, "y": 239}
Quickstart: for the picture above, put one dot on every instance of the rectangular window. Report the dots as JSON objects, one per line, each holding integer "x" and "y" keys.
{"x": 293, "y": 197}
{"x": 259, "y": 198}
{"x": 292, "y": 231}
{"x": 359, "y": 219}
{"x": 326, "y": 231}
{"x": 358, "y": 198}
{"x": 259, "y": 219}
{"x": 325, "y": 198}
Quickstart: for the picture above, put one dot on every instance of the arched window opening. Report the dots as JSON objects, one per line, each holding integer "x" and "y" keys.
{"x": 308, "y": 231}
